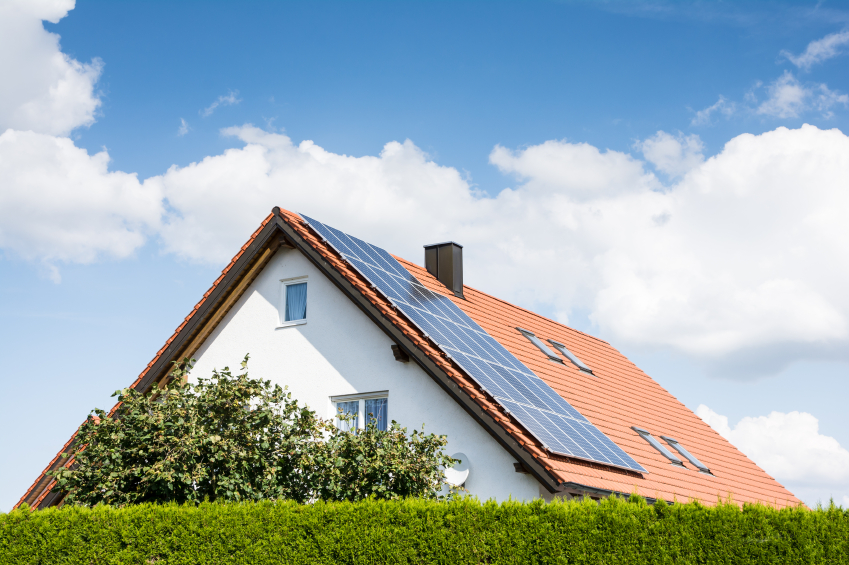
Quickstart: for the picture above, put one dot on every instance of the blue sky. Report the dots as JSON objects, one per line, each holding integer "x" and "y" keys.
{"x": 618, "y": 109}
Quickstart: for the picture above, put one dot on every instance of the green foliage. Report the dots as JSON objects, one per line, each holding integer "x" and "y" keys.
{"x": 236, "y": 438}
{"x": 423, "y": 531}
{"x": 381, "y": 464}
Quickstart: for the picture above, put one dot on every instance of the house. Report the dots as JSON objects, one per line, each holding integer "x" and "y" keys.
{"x": 328, "y": 319}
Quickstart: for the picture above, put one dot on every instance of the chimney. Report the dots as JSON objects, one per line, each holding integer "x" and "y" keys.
{"x": 445, "y": 262}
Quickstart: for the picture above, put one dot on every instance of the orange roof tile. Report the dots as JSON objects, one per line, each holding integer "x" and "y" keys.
{"x": 619, "y": 396}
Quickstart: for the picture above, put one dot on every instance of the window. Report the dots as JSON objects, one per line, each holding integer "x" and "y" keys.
{"x": 351, "y": 409}
{"x": 686, "y": 454}
{"x": 363, "y": 409}
{"x": 657, "y": 445}
{"x": 570, "y": 356}
{"x": 540, "y": 345}
{"x": 294, "y": 297}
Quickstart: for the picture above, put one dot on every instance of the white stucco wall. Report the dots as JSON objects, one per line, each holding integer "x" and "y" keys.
{"x": 340, "y": 351}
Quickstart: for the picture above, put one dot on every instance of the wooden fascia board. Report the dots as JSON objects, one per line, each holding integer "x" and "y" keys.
{"x": 423, "y": 360}
{"x": 218, "y": 314}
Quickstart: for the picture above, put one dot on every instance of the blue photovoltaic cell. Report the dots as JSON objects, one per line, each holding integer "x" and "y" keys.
{"x": 539, "y": 408}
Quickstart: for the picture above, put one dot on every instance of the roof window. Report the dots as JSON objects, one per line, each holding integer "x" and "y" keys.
{"x": 687, "y": 455}
{"x": 540, "y": 345}
{"x": 570, "y": 356}
{"x": 657, "y": 445}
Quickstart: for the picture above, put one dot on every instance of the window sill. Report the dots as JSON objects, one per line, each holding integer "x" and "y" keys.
{"x": 292, "y": 323}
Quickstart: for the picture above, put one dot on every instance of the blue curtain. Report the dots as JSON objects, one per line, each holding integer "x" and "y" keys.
{"x": 376, "y": 411}
{"x": 296, "y": 302}
{"x": 348, "y": 408}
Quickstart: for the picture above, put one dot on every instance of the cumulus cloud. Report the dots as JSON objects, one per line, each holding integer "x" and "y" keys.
{"x": 788, "y": 98}
{"x": 44, "y": 90}
{"x": 229, "y": 100}
{"x": 790, "y": 448}
{"x": 722, "y": 106}
{"x": 577, "y": 169}
{"x": 184, "y": 128}
{"x": 747, "y": 250}
{"x": 219, "y": 201}
{"x": 673, "y": 155}
{"x": 742, "y": 252}
{"x": 60, "y": 204}
{"x": 820, "y": 50}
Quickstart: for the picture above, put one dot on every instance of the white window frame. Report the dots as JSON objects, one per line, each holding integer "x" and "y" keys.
{"x": 284, "y": 284}
{"x": 361, "y": 409}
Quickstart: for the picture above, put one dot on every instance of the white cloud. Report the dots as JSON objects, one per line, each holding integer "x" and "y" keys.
{"x": 229, "y": 100}
{"x": 43, "y": 90}
{"x": 788, "y": 98}
{"x": 824, "y": 100}
{"x": 820, "y": 50}
{"x": 184, "y": 128}
{"x": 673, "y": 155}
{"x": 577, "y": 169}
{"x": 722, "y": 106}
{"x": 748, "y": 250}
{"x": 220, "y": 200}
{"x": 60, "y": 204}
{"x": 790, "y": 448}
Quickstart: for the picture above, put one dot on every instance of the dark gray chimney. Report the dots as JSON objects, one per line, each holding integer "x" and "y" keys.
{"x": 445, "y": 262}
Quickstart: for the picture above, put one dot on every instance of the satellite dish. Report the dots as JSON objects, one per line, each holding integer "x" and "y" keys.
{"x": 457, "y": 475}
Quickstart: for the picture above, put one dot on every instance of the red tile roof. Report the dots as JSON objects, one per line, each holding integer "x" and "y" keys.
{"x": 618, "y": 397}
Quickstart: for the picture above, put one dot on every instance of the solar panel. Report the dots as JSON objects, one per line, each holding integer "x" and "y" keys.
{"x": 546, "y": 414}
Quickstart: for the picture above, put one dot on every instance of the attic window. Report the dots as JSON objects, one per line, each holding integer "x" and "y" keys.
{"x": 293, "y": 295}
{"x": 540, "y": 345}
{"x": 570, "y": 356}
{"x": 657, "y": 445}
{"x": 687, "y": 455}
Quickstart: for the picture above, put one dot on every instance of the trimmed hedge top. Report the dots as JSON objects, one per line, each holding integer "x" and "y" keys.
{"x": 420, "y": 531}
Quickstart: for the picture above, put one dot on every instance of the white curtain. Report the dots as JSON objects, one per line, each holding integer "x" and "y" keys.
{"x": 296, "y": 302}
{"x": 351, "y": 408}
{"x": 376, "y": 411}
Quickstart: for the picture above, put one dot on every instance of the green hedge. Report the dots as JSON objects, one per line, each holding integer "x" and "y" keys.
{"x": 417, "y": 531}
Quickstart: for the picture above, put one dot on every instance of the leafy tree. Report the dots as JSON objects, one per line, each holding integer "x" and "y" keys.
{"x": 233, "y": 437}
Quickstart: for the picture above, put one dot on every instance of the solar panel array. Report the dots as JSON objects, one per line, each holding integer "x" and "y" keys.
{"x": 545, "y": 414}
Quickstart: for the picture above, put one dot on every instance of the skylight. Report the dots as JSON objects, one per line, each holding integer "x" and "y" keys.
{"x": 657, "y": 445}
{"x": 570, "y": 356}
{"x": 687, "y": 455}
{"x": 540, "y": 345}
